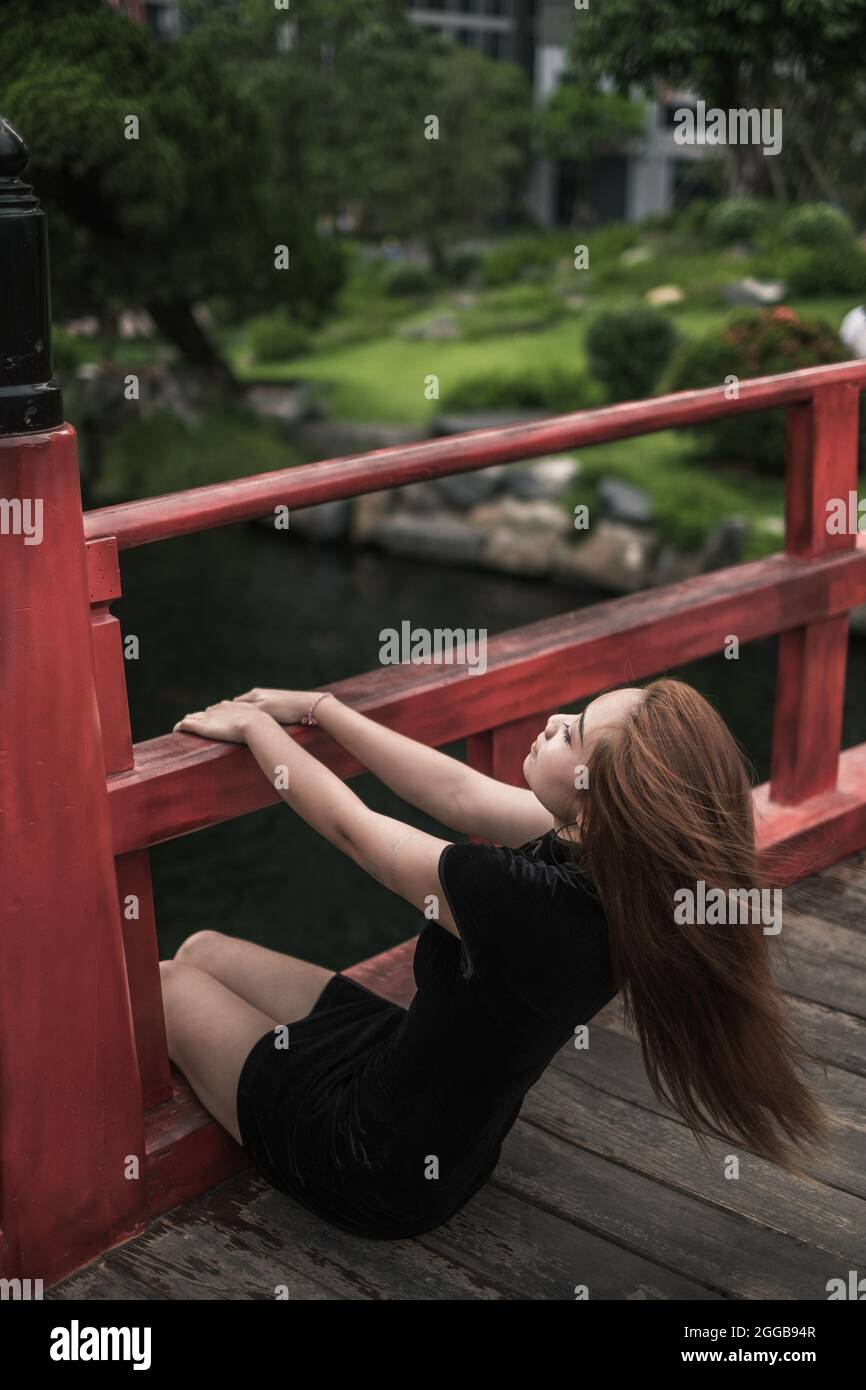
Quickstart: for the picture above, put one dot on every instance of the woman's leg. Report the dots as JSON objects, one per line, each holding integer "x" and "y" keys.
{"x": 210, "y": 1035}
{"x": 283, "y": 987}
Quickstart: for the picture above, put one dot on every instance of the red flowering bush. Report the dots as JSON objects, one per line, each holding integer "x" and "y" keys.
{"x": 756, "y": 342}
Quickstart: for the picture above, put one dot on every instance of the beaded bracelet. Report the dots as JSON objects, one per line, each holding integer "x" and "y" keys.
{"x": 308, "y": 717}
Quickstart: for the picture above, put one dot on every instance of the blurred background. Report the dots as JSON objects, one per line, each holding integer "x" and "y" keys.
{"x": 282, "y": 233}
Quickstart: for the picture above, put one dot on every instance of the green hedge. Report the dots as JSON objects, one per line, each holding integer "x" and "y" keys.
{"x": 628, "y": 349}
{"x": 737, "y": 219}
{"x": 277, "y": 338}
{"x": 556, "y": 389}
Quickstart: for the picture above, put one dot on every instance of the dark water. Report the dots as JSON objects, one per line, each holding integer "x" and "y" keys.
{"x": 229, "y": 609}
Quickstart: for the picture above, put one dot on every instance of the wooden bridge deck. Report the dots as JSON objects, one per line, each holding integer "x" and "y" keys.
{"x": 598, "y": 1184}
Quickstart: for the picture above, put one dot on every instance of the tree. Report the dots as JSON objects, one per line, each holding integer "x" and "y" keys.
{"x": 350, "y": 98}
{"x": 801, "y": 56}
{"x": 580, "y": 124}
{"x": 460, "y": 153}
{"x": 155, "y": 167}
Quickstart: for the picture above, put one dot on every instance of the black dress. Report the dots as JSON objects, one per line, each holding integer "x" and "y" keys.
{"x": 386, "y": 1121}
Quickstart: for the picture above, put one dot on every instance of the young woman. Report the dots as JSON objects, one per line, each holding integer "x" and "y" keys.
{"x": 386, "y": 1121}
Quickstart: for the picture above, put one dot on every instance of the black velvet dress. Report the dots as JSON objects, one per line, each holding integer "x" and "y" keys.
{"x": 386, "y": 1121}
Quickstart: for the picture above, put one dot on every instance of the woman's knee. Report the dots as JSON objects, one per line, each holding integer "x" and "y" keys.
{"x": 175, "y": 974}
{"x": 200, "y": 948}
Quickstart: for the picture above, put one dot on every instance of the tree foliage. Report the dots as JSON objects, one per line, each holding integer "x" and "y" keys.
{"x": 803, "y": 57}
{"x": 189, "y": 209}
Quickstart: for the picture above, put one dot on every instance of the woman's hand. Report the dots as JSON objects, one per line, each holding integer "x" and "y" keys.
{"x": 229, "y": 721}
{"x": 286, "y": 706}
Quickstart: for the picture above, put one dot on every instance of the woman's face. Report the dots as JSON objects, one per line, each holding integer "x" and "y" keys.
{"x": 555, "y": 766}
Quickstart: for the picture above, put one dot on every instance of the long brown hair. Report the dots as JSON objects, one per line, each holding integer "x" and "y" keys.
{"x": 668, "y": 803}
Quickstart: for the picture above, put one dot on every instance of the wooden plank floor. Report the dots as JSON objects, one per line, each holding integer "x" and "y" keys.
{"x": 598, "y": 1184}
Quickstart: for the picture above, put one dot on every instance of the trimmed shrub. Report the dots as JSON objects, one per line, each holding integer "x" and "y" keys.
{"x": 462, "y": 266}
{"x": 695, "y": 216}
{"x": 836, "y": 268}
{"x": 162, "y": 453}
{"x": 556, "y": 389}
{"x": 277, "y": 338}
{"x": 517, "y": 259}
{"x": 756, "y": 342}
{"x": 815, "y": 224}
{"x": 628, "y": 349}
{"x": 404, "y": 281}
{"x": 737, "y": 219}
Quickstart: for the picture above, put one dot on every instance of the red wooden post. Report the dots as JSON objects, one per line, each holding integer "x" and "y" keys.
{"x": 821, "y": 464}
{"x": 103, "y": 573}
{"x": 134, "y": 891}
{"x": 71, "y": 1123}
{"x": 142, "y": 967}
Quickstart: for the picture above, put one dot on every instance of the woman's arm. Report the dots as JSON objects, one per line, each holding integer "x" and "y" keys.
{"x": 398, "y": 856}
{"x": 446, "y": 789}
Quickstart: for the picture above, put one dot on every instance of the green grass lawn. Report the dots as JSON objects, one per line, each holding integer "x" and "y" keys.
{"x": 384, "y": 380}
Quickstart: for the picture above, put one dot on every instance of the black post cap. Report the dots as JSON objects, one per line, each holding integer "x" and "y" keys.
{"x": 29, "y": 400}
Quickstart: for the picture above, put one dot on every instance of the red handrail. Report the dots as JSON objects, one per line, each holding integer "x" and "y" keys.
{"x": 221, "y": 504}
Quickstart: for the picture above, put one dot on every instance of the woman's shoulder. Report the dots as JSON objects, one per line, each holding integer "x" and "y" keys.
{"x": 548, "y": 865}
{"x": 563, "y": 856}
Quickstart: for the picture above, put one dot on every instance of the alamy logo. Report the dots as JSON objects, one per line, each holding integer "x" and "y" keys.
{"x": 423, "y": 646}
{"x": 20, "y": 1290}
{"x": 716, "y": 906}
{"x": 77, "y": 1343}
{"x": 854, "y": 1289}
{"x": 846, "y": 517}
{"x": 735, "y": 127}
{"x": 22, "y": 516}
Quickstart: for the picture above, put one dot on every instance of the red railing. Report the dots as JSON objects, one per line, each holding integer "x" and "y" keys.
{"x": 100, "y": 826}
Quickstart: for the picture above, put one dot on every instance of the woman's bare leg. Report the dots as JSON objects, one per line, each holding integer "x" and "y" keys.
{"x": 283, "y": 987}
{"x": 210, "y": 1035}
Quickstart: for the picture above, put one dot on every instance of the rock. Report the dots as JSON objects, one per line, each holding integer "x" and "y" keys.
{"x": 522, "y": 536}
{"x": 465, "y": 490}
{"x": 614, "y": 557}
{"x": 418, "y": 497}
{"x": 135, "y": 323}
{"x": 367, "y": 511}
{"x": 753, "y": 292}
{"x": 665, "y": 294}
{"x": 725, "y": 544}
{"x": 672, "y": 565}
{"x": 544, "y": 478}
{"x": 438, "y": 329}
{"x": 531, "y": 517}
{"x": 520, "y": 552}
{"x": 636, "y": 255}
{"x": 619, "y": 501}
{"x": 439, "y": 537}
{"x": 288, "y": 404}
{"x": 852, "y": 331}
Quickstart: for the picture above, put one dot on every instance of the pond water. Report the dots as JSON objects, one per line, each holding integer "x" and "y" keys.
{"x": 225, "y": 610}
